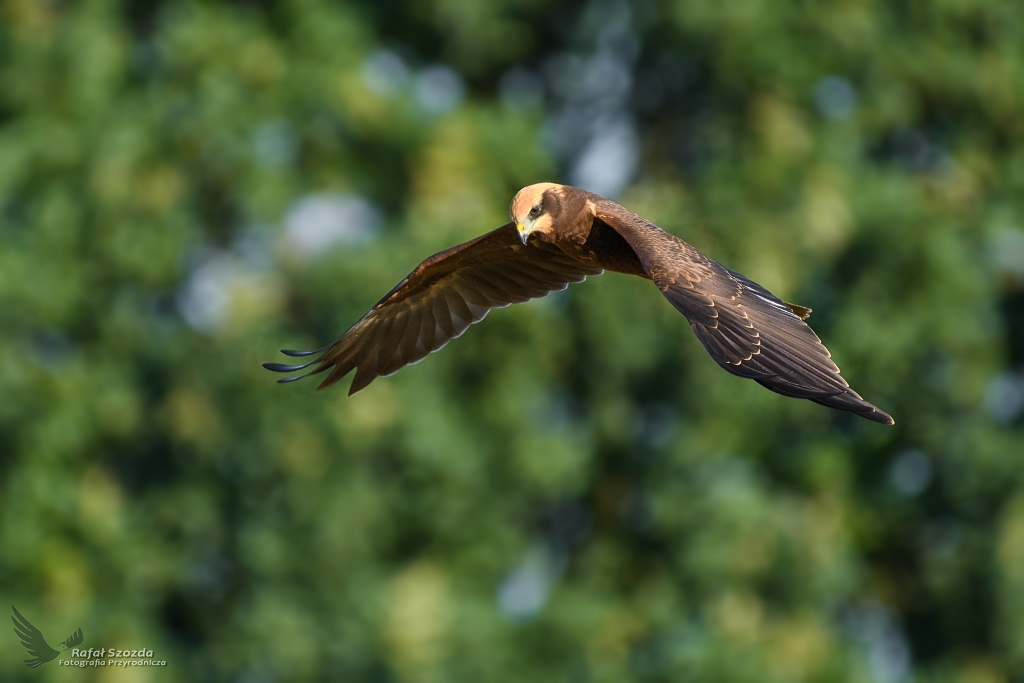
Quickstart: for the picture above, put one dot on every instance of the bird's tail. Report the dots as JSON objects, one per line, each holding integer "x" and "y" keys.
{"x": 802, "y": 312}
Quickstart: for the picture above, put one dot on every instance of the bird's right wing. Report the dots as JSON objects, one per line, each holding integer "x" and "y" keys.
{"x": 747, "y": 330}
{"x": 33, "y": 640}
{"x": 438, "y": 300}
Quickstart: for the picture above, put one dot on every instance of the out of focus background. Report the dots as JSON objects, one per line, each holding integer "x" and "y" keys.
{"x": 573, "y": 491}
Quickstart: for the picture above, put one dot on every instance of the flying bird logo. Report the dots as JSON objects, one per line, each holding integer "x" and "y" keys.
{"x": 32, "y": 639}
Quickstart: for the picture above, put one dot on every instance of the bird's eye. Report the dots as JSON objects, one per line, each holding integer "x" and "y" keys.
{"x": 534, "y": 212}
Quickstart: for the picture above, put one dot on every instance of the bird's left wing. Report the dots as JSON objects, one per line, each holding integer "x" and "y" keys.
{"x": 747, "y": 330}
{"x": 438, "y": 300}
{"x": 33, "y": 640}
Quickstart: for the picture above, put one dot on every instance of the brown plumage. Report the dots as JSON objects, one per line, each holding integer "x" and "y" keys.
{"x": 559, "y": 235}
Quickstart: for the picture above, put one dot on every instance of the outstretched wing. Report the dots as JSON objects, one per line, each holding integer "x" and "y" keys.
{"x": 75, "y": 638}
{"x": 437, "y": 301}
{"x": 747, "y": 330}
{"x": 33, "y": 640}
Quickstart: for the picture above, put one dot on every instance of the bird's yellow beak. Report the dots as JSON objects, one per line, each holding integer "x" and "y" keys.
{"x": 523, "y": 234}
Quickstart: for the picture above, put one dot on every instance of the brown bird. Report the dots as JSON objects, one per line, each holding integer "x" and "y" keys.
{"x": 561, "y": 234}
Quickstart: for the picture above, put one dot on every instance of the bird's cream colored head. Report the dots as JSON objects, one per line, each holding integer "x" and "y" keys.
{"x": 531, "y": 209}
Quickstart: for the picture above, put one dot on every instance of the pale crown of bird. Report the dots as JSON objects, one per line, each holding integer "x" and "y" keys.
{"x": 528, "y": 210}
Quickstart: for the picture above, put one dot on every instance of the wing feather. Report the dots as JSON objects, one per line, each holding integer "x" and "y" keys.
{"x": 388, "y": 355}
{"x": 457, "y": 307}
{"x": 407, "y": 349}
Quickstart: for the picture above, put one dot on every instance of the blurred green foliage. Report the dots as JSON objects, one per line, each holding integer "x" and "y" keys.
{"x": 573, "y": 491}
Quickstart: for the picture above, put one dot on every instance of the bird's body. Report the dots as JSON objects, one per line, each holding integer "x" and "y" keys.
{"x": 559, "y": 235}
{"x": 598, "y": 246}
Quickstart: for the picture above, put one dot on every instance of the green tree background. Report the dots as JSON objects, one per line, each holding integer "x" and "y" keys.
{"x": 573, "y": 491}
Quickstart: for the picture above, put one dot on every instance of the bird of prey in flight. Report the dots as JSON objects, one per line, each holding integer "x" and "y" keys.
{"x": 559, "y": 235}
